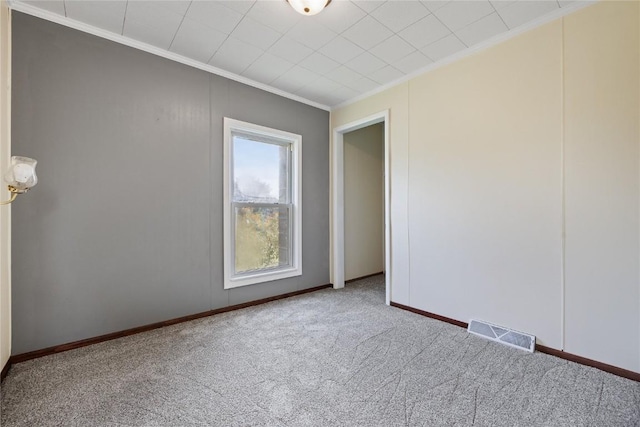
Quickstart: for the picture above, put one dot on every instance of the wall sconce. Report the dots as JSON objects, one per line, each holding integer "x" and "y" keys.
{"x": 21, "y": 176}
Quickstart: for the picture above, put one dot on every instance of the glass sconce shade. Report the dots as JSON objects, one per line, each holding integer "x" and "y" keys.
{"x": 309, "y": 7}
{"x": 21, "y": 175}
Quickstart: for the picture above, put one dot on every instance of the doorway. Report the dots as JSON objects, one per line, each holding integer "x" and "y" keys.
{"x": 364, "y": 202}
{"x": 338, "y": 200}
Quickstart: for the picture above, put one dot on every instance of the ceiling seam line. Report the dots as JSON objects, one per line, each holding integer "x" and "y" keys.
{"x": 124, "y": 17}
{"x": 180, "y": 25}
{"x": 478, "y": 20}
{"x": 451, "y": 33}
{"x": 229, "y": 35}
{"x": 500, "y": 16}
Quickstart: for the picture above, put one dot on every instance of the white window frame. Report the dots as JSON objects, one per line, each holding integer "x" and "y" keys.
{"x": 295, "y": 142}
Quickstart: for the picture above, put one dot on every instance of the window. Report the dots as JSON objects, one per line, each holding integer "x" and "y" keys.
{"x": 262, "y": 204}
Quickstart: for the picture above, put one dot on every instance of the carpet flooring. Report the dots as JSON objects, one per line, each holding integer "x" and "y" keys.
{"x": 328, "y": 358}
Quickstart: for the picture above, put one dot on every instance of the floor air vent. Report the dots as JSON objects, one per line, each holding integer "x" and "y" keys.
{"x": 503, "y": 335}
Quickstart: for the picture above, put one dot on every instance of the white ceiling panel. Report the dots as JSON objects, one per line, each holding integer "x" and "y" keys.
{"x": 156, "y": 36}
{"x": 151, "y": 24}
{"x": 242, "y": 6}
{"x": 368, "y": 5}
{"x": 365, "y": 84}
{"x": 341, "y": 50}
{"x": 392, "y": 49}
{"x": 295, "y": 79}
{"x": 255, "y": 33}
{"x": 457, "y": 14}
{"x": 267, "y": 68}
{"x": 176, "y": 6}
{"x": 312, "y": 34}
{"x": 343, "y": 75}
{"x": 482, "y": 30}
{"x": 522, "y": 12}
{"x": 367, "y": 33}
{"x": 386, "y": 74}
{"x": 197, "y": 41}
{"x": 319, "y": 63}
{"x": 499, "y": 4}
{"x": 343, "y": 93}
{"x": 350, "y": 48}
{"x": 366, "y": 63}
{"x": 425, "y": 32}
{"x": 340, "y": 16}
{"x": 434, "y": 5}
{"x": 289, "y": 49}
{"x": 443, "y": 48}
{"x": 215, "y": 15}
{"x": 397, "y": 15}
{"x": 412, "y": 62}
{"x": 277, "y": 15}
{"x": 152, "y": 14}
{"x": 108, "y": 15}
{"x": 324, "y": 84}
{"x": 320, "y": 86}
{"x": 235, "y": 55}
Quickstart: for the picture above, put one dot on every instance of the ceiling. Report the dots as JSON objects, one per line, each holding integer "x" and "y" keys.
{"x": 349, "y": 49}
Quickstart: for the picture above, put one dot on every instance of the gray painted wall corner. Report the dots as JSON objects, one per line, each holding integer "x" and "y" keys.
{"x": 125, "y": 226}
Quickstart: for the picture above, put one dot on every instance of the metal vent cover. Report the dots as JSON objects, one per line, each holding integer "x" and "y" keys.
{"x": 502, "y": 335}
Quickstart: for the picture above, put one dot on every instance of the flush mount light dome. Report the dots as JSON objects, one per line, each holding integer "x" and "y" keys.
{"x": 309, "y": 7}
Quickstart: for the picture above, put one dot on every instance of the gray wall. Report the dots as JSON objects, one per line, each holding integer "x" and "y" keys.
{"x": 125, "y": 225}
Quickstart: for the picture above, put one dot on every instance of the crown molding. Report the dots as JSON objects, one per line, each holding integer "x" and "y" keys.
{"x": 473, "y": 50}
{"x": 90, "y": 29}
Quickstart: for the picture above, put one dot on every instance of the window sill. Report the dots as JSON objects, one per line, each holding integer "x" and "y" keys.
{"x": 256, "y": 278}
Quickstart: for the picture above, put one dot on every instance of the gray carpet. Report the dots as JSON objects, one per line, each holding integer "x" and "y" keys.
{"x": 329, "y": 358}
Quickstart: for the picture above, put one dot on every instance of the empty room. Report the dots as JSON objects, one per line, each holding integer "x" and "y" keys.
{"x": 319, "y": 213}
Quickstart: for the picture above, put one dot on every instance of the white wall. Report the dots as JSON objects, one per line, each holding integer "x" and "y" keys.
{"x": 364, "y": 201}
{"x": 485, "y": 186}
{"x": 5, "y": 211}
{"x": 601, "y": 130}
{"x": 515, "y": 184}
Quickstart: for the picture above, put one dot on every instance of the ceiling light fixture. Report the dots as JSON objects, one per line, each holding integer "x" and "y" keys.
{"x": 309, "y": 7}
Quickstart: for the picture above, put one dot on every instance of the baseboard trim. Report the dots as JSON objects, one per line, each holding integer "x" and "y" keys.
{"x": 5, "y": 370}
{"x": 363, "y": 277}
{"x": 625, "y": 373}
{"x": 430, "y": 315}
{"x": 589, "y": 362}
{"x": 18, "y": 358}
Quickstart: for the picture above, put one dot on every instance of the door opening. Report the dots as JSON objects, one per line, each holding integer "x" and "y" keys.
{"x": 363, "y": 202}
{"x": 338, "y": 212}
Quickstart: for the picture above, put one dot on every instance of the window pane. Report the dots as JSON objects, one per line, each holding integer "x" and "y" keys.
{"x": 260, "y": 171}
{"x": 262, "y": 238}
